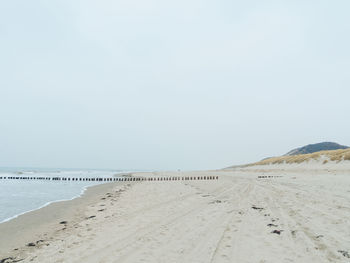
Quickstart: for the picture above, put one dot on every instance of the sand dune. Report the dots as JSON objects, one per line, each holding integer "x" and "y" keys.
{"x": 292, "y": 217}
{"x": 333, "y": 156}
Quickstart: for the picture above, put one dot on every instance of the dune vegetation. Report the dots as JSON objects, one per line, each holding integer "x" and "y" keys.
{"x": 333, "y": 155}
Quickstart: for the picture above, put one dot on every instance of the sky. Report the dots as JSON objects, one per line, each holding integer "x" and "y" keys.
{"x": 164, "y": 85}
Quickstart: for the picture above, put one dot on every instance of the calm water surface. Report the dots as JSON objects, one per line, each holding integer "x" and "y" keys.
{"x": 20, "y": 196}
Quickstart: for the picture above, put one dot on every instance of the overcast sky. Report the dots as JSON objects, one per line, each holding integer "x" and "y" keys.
{"x": 146, "y": 84}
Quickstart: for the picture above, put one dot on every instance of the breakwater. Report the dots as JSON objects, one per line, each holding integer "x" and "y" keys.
{"x": 112, "y": 179}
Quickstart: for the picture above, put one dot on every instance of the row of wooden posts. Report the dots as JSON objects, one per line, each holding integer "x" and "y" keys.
{"x": 114, "y": 179}
{"x": 269, "y": 176}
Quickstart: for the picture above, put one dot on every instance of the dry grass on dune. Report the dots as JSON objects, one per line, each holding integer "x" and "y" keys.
{"x": 335, "y": 155}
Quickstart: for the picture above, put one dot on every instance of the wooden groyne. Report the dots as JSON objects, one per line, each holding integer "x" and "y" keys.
{"x": 112, "y": 179}
{"x": 269, "y": 176}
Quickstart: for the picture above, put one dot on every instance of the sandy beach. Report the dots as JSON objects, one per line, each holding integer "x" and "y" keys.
{"x": 295, "y": 215}
{"x": 174, "y": 131}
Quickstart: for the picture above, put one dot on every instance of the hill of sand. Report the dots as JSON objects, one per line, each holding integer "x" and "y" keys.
{"x": 335, "y": 156}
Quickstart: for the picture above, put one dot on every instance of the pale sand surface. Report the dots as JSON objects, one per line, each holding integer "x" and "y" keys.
{"x": 201, "y": 221}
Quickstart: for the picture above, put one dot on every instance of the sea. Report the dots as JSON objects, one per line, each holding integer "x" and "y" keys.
{"x": 21, "y": 196}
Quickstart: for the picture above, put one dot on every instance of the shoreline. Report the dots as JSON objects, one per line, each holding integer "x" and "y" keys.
{"x": 35, "y": 224}
{"x": 82, "y": 192}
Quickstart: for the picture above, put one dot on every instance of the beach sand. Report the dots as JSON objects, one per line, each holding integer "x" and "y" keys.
{"x": 296, "y": 215}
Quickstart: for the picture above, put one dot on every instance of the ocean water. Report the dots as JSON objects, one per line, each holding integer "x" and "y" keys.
{"x": 20, "y": 196}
